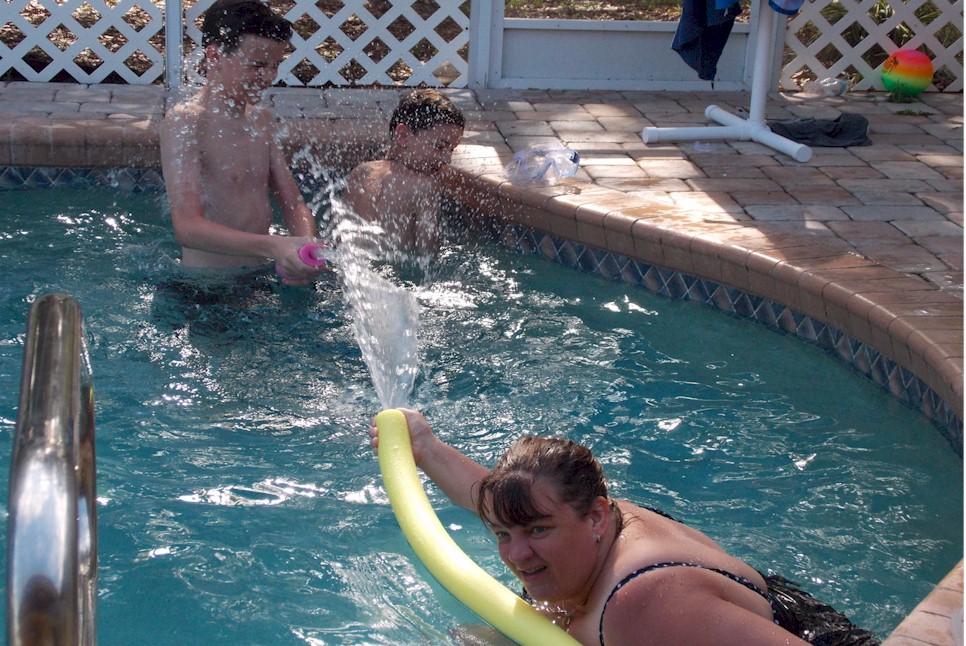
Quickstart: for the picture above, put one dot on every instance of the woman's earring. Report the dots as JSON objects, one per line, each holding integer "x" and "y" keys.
{"x": 597, "y": 537}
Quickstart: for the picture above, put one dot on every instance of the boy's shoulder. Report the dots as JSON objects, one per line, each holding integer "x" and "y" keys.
{"x": 192, "y": 112}
{"x": 185, "y": 110}
{"x": 372, "y": 170}
{"x": 387, "y": 169}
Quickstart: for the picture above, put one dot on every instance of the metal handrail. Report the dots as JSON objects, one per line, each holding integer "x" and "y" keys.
{"x": 52, "y": 526}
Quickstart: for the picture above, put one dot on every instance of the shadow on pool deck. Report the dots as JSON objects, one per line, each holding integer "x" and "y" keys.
{"x": 867, "y": 239}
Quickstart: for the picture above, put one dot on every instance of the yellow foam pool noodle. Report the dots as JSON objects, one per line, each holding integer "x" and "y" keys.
{"x": 459, "y": 574}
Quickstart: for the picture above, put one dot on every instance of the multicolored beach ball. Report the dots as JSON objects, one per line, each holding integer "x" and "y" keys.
{"x": 907, "y": 73}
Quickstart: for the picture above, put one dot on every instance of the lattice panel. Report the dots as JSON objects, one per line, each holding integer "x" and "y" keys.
{"x": 83, "y": 40}
{"x": 852, "y": 38}
{"x": 369, "y": 42}
{"x": 364, "y": 42}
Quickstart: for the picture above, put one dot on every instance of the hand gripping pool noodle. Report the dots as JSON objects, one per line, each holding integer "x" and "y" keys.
{"x": 459, "y": 574}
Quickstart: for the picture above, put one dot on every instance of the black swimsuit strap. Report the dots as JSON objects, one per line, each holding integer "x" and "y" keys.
{"x": 659, "y": 566}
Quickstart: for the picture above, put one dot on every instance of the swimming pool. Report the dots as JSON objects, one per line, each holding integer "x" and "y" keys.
{"x": 240, "y": 502}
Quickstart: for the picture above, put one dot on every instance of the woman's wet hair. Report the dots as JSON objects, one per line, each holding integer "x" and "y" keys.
{"x": 226, "y": 21}
{"x": 424, "y": 109}
{"x": 506, "y": 493}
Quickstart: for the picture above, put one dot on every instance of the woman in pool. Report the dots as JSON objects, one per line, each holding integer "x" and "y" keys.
{"x": 611, "y": 572}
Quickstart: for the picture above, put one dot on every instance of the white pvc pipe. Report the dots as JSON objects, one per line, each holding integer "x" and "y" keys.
{"x": 760, "y": 132}
{"x": 695, "y": 133}
{"x": 173, "y": 43}
{"x": 735, "y": 128}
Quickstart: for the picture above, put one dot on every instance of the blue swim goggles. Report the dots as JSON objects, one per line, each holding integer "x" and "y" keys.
{"x": 543, "y": 165}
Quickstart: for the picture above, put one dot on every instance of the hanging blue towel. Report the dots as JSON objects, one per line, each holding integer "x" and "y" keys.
{"x": 702, "y": 33}
{"x": 787, "y": 7}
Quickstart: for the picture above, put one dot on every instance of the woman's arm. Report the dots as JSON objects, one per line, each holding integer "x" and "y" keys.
{"x": 454, "y": 473}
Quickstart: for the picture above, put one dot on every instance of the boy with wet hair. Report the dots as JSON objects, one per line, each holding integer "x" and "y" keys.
{"x": 226, "y": 21}
{"x": 402, "y": 192}
{"x": 425, "y": 109}
{"x": 220, "y": 158}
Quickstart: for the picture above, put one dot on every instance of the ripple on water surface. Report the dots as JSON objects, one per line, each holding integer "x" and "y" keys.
{"x": 240, "y": 502}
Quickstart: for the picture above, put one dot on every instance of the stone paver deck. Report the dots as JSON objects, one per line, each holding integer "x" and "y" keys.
{"x": 868, "y": 239}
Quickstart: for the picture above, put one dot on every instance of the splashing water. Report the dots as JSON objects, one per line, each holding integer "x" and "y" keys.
{"x": 192, "y": 79}
{"x": 385, "y": 315}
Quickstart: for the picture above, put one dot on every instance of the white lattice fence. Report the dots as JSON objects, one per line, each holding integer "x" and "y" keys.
{"x": 387, "y": 42}
{"x": 852, "y": 38}
{"x": 84, "y": 40}
{"x": 361, "y": 42}
{"x": 432, "y": 50}
{"x": 366, "y": 42}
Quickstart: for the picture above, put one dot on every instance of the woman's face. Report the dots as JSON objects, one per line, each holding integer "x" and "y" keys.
{"x": 554, "y": 556}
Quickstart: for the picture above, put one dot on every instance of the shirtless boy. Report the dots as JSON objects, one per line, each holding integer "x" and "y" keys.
{"x": 219, "y": 156}
{"x": 402, "y": 192}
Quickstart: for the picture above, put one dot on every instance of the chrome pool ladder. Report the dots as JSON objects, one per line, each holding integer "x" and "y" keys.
{"x": 52, "y": 522}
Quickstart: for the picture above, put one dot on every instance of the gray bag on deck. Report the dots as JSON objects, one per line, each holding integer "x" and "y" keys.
{"x": 847, "y": 130}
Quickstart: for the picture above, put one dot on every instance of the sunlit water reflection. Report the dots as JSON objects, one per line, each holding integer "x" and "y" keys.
{"x": 240, "y": 502}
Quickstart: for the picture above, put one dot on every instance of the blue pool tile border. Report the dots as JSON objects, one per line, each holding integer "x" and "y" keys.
{"x": 146, "y": 180}
{"x": 860, "y": 357}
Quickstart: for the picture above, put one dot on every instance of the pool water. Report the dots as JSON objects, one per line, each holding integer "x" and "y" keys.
{"x": 240, "y": 503}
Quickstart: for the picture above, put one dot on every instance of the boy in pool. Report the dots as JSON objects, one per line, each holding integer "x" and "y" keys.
{"x": 219, "y": 157}
{"x": 402, "y": 192}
